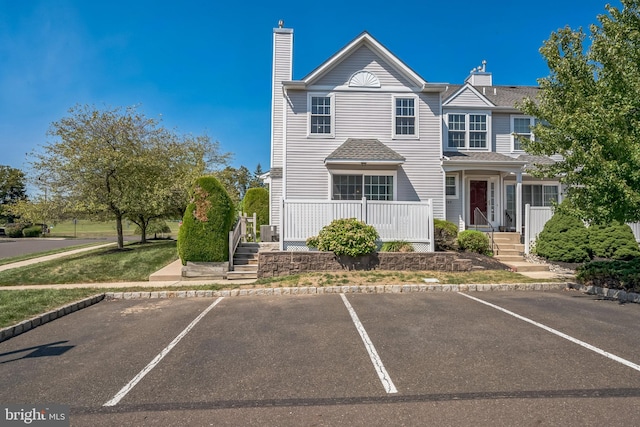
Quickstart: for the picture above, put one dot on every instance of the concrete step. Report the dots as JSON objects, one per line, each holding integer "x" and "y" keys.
{"x": 504, "y": 258}
{"x": 526, "y": 266}
{"x": 245, "y": 267}
{"x": 247, "y": 249}
{"x": 235, "y": 275}
{"x": 245, "y": 261}
{"x": 510, "y": 246}
{"x": 509, "y": 252}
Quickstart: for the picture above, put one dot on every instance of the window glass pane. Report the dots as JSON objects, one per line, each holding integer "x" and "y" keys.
{"x": 550, "y": 195}
{"x": 450, "y": 185}
{"x": 378, "y": 187}
{"x": 456, "y": 139}
{"x": 405, "y": 116}
{"x": 478, "y": 139}
{"x": 320, "y": 115}
{"x": 347, "y": 187}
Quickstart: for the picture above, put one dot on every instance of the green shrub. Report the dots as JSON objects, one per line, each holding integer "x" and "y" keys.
{"x": 397, "y": 246}
{"x": 611, "y": 274}
{"x": 14, "y": 230}
{"x": 474, "y": 241}
{"x": 564, "y": 238}
{"x": 445, "y": 235}
{"x": 204, "y": 233}
{"x": 346, "y": 237}
{"x": 613, "y": 241}
{"x": 156, "y": 226}
{"x": 257, "y": 200}
{"x": 33, "y": 231}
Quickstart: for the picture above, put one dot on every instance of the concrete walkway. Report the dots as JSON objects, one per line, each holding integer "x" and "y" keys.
{"x": 50, "y": 257}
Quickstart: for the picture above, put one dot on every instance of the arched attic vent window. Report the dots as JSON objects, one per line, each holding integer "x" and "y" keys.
{"x": 364, "y": 79}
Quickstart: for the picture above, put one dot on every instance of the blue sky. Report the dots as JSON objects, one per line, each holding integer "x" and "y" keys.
{"x": 205, "y": 66}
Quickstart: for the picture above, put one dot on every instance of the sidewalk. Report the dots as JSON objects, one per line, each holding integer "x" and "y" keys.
{"x": 50, "y": 257}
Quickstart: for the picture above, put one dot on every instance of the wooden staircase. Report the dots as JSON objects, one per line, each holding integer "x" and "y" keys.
{"x": 508, "y": 250}
{"x": 245, "y": 262}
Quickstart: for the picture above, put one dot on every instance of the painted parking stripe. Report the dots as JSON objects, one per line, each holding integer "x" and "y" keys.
{"x": 558, "y": 333}
{"x": 126, "y": 389}
{"x": 373, "y": 354}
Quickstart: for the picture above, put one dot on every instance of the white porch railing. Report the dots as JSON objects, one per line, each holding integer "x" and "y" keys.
{"x": 245, "y": 226}
{"x": 410, "y": 221}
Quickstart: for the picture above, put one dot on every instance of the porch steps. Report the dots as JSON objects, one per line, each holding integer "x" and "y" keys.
{"x": 245, "y": 262}
{"x": 508, "y": 250}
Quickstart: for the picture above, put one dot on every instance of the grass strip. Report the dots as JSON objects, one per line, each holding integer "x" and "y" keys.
{"x": 133, "y": 263}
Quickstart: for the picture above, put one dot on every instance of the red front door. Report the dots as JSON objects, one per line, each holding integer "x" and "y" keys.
{"x": 477, "y": 199}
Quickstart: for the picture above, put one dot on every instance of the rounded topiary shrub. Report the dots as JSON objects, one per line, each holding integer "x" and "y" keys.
{"x": 445, "y": 235}
{"x": 564, "y": 238}
{"x": 474, "y": 241}
{"x": 613, "y": 241}
{"x": 256, "y": 200}
{"x": 346, "y": 237}
{"x": 204, "y": 233}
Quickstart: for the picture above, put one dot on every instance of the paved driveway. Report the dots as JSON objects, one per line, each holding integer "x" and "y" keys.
{"x": 499, "y": 358}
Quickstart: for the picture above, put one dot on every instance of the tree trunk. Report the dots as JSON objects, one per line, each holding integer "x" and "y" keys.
{"x": 143, "y": 227}
{"x": 119, "y": 231}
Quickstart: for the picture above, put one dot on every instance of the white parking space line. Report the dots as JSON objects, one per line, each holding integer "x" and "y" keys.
{"x": 558, "y": 333}
{"x": 126, "y": 389}
{"x": 373, "y": 354}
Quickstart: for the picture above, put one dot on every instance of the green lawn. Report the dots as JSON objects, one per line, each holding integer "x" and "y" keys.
{"x": 134, "y": 263}
{"x": 86, "y": 228}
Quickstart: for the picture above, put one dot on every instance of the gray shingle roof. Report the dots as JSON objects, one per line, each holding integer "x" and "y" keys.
{"x": 475, "y": 156}
{"x": 505, "y": 96}
{"x": 364, "y": 150}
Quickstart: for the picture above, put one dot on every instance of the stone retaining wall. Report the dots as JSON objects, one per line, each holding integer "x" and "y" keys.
{"x": 274, "y": 264}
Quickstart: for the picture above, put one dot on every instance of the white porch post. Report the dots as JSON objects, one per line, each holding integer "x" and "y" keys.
{"x": 519, "y": 202}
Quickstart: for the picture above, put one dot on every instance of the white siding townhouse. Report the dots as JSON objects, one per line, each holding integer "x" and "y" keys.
{"x": 364, "y": 125}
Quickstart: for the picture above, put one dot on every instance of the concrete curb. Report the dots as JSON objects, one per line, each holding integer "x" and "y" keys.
{"x": 616, "y": 294}
{"x": 321, "y": 290}
{"x": 26, "y": 325}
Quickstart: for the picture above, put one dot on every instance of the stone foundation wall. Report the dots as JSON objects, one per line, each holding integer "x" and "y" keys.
{"x": 273, "y": 264}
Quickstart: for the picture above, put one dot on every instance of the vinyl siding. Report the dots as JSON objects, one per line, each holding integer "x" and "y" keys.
{"x": 363, "y": 59}
{"x": 467, "y": 99}
{"x": 283, "y": 43}
{"x": 275, "y": 192}
{"x": 454, "y": 206}
{"x": 501, "y": 131}
{"x": 365, "y": 115}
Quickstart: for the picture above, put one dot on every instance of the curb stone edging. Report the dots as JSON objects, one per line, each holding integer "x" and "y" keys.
{"x": 617, "y": 294}
{"x": 320, "y": 290}
{"x": 26, "y": 325}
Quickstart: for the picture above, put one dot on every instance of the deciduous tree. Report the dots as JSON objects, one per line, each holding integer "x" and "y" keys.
{"x": 117, "y": 163}
{"x": 589, "y": 112}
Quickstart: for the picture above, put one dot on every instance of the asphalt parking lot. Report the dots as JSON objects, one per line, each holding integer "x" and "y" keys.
{"x": 483, "y": 358}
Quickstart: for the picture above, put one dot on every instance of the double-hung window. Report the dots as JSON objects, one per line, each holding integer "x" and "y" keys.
{"x": 321, "y": 114}
{"x": 521, "y": 127}
{"x": 467, "y": 130}
{"x": 405, "y": 117}
{"x": 354, "y": 187}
